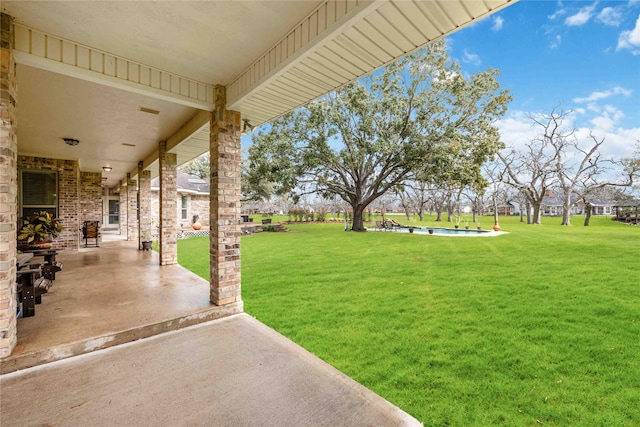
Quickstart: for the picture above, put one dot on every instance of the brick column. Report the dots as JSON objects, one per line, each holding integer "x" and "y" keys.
{"x": 132, "y": 210}
{"x": 225, "y": 207}
{"x": 144, "y": 192}
{"x": 8, "y": 189}
{"x": 167, "y": 208}
{"x": 122, "y": 214}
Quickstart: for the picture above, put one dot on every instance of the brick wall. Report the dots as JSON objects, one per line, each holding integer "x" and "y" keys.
{"x": 68, "y": 196}
{"x": 91, "y": 196}
{"x": 8, "y": 189}
{"x": 199, "y": 204}
{"x": 196, "y": 204}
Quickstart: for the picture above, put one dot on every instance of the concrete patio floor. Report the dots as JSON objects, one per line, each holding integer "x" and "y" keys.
{"x": 108, "y": 296}
{"x": 121, "y": 341}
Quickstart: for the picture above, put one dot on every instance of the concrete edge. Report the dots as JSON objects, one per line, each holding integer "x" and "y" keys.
{"x": 67, "y": 350}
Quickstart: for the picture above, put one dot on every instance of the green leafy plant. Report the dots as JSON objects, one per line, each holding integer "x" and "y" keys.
{"x": 39, "y": 227}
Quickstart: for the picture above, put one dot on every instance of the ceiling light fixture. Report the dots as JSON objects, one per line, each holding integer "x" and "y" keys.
{"x": 247, "y": 127}
{"x": 107, "y": 168}
{"x": 70, "y": 141}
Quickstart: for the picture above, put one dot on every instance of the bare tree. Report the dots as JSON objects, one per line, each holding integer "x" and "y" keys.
{"x": 558, "y": 157}
{"x": 591, "y": 185}
{"x": 575, "y": 161}
{"x": 532, "y": 172}
{"x": 419, "y": 191}
{"x": 496, "y": 191}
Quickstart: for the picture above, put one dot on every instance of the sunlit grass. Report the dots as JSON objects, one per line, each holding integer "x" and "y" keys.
{"x": 541, "y": 325}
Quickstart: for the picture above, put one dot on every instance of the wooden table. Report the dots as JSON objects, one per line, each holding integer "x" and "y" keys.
{"x": 23, "y": 259}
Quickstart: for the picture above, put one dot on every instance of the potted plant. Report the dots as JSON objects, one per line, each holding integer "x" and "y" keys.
{"x": 146, "y": 241}
{"x": 195, "y": 222}
{"x": 39, "y": 230}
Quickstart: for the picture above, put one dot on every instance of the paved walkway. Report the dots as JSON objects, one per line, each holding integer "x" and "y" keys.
{"x": 228, "y": 372}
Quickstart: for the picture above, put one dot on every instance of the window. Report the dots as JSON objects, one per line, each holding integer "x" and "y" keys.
{"x": 39, "y": 192}
{"x": 184, "y": 207}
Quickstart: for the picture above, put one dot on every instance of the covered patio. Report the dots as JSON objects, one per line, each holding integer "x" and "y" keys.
{"x": 101, "y": 97}
{"x": 98, "y": 98}
{"x": 108, "y": 296}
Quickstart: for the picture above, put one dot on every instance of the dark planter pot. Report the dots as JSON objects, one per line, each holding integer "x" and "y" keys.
{"x": 411, "y": 230}
{"x": 146, "y": 245}
{"x": 430, "y": 231}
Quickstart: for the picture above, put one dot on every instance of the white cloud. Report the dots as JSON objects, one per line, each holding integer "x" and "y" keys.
{"x": 558, "y": 13}
{"x": 498, "y": 22}
{"x": 581, "y": 17}
{"x": 618, "y": 142}
{"x": 630, "y": 39}
{"x": 607, "y": 120}
{"x": 610, "y": 16}
{"x": 517, "y": 130}
{"x": 557, "y": 40}
{"x": 598, "y": 95}
{"x": 471, "y": 58}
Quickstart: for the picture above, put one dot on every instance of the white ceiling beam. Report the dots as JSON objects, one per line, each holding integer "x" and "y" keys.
{"x": 47, "y": 52}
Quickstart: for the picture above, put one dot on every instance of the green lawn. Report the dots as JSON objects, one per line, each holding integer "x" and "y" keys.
{"x": 537, "y": 327}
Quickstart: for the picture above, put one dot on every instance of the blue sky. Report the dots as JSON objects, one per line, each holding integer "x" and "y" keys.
{"x": 579, "y": 56}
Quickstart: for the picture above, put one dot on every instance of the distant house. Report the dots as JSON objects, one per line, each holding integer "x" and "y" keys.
{"x": 552, "y": 205}
{"x": 193, "y": 199}
{"x": 508, "y": 208}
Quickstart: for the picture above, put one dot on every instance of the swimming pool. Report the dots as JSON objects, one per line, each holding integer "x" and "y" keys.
{"x": 440, "y": 231}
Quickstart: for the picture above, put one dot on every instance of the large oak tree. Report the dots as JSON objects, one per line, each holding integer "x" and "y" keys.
{"x": 419, "y": 113}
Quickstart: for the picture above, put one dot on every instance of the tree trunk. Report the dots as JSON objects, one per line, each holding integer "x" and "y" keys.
{"x": 421, "y": 214}
{"x": 566, "y": 210}
{"x": 537, "y": 211}
{"x": 358, "y": 219}
{"x": 407, "y": 213}
{"x": 587, "y": 216}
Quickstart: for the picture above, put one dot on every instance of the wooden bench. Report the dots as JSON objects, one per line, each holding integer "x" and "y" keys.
{"x": 34, "y": 279}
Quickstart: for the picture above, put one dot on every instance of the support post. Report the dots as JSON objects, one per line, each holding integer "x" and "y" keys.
{"x": 168, "y": 206}
{"x": 225, "y": 207}
{"x": 144, "y": 195}
{"x": 8, "y": 188}
{"x": 132, "y": 209}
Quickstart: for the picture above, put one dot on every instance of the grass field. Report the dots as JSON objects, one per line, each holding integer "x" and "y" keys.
{"x": 540, "y": 326}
